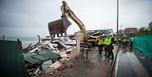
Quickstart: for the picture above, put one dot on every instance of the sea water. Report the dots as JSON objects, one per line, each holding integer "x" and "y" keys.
{"x": 26, "y": 41}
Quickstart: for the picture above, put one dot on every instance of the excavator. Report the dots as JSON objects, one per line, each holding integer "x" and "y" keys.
{"x": 60, "y": 26}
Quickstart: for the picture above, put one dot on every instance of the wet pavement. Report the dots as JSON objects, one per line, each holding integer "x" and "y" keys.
{"x": 128, "y": 65}
{"x": 95, "y": 66}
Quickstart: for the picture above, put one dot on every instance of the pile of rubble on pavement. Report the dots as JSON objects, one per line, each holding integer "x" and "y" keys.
{"x": 51, "y": 56}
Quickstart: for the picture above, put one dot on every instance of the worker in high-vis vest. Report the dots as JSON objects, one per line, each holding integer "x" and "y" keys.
{"x": 110, "y": 46}
{"x": 131, "y": 43}
{"x": 120, "y": 41}
{"x": 105, "y": 45}
{"x": 100, "y": 44}
{"x": 127, "y": 41}
{"x": 124, "y": 41}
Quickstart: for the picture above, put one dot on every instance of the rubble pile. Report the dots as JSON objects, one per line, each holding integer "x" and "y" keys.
{"x": 51, "y": 56}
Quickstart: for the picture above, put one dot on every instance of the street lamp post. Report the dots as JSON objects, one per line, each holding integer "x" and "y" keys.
{"x": 114, "y": 62}
{"x": 117, "y": 18}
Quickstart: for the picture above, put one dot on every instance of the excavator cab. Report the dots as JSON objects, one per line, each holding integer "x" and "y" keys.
{"x": 58, "y": 27}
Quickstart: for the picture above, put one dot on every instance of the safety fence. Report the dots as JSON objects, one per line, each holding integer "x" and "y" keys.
{"x": 144, "y": 60}
{"x": 144, "y": 44}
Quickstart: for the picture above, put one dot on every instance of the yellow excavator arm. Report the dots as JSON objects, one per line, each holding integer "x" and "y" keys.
{"x": 67, "y": 12}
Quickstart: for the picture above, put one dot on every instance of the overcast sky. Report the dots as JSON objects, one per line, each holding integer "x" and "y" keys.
{"x": 30, "y": 17}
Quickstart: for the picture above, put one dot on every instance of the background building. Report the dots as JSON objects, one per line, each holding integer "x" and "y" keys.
{"x": 130, "y": 31}
{"x": 121, "y": 32}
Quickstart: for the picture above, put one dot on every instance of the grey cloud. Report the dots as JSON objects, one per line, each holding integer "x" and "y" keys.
{"x": 30, "y": 17}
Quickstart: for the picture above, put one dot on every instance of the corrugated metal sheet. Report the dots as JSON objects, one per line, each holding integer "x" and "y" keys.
{"x": 49, "y": 54}
{"x": 40, "y": 56}
{"x": 11, "y": 59}
{"x": 32, "y": 60}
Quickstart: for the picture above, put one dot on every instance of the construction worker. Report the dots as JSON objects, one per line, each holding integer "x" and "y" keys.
{"x": 100, "y": 44}
{"x": 124, "y": 42}
{"x": 119, "y": 40}
{"x": 105, "y": 45}
{"x": 110, "y": 46}
{"x": 127, "y": 41}
{"x": 131, "y": 43}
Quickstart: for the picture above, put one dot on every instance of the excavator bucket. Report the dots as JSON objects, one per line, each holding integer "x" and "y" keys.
{"x": 58, "y": 27}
